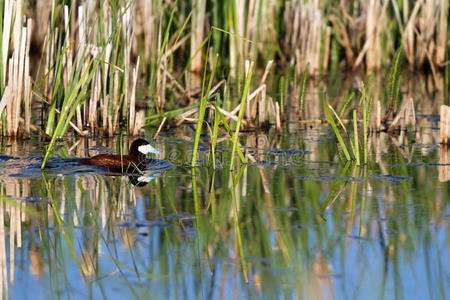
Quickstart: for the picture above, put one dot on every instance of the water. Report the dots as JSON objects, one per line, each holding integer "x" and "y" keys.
{"x": 295, "y": 222}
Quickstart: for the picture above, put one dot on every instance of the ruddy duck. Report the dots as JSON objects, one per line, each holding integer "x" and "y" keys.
{"x": 132, "y": 162}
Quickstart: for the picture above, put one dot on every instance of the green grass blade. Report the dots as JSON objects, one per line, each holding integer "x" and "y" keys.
{"x": 202, "y": 109}
{"x": 241, "y": 112}
{"x": 355, "y": 134}
{"x": 335, "y": 129}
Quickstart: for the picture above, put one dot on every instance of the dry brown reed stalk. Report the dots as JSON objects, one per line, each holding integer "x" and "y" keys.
{"x": 7, "y": 23}
{"x": 197, "y": 35}
{"x": 421, "y": 36}
{"x": 159, "y": 128}
{"x": 128, "y": 36}
{"x": 442, "y": 34}
{"x": 303, "y": 23}
{"x": 378, "y": 116}
{"x": 144, "y": 24}
{"x": 374, "y": 11}
{"x": 344, "y": 38}
{"x": 445, "y": 124}
{"x": 107, "y": 29}
{"x": 278, "y": 118}
{"x": 237, "y": 23}
{"x": 50, "y": 58}
{"x": 68, "y": 56}
{"x": 17, "y": 82}
{"x": 260, "y": 101}
{"x": 133, "y": 126}
{"x": 406, "y": 115}
{"x": 444, "y": 161}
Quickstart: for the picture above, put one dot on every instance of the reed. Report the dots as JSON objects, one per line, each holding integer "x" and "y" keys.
{"x": 202, "y": 110}
{"x": 241, "y": 112}
{"x": 15, "y": 81}
{"x": 169, "y": 39}
{"x": 335, "y": 129}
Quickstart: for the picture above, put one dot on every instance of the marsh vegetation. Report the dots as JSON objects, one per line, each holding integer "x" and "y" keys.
{"x": 300, "y": 149}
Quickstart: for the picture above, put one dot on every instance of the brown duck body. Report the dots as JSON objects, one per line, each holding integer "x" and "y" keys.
{"x": 130, "y": 163}
{"x": 120, "y": 163}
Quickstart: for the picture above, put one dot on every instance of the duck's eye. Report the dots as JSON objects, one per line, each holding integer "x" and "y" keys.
{"x": 145, "y": 149}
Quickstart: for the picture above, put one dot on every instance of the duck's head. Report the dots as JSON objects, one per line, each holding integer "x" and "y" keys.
{"x": 141, "y": 148}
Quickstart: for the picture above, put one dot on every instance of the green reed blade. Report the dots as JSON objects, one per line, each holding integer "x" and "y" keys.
{"x": 347, "y": 101}
{"x": 202, "y": 108}
{"x": 238, "y": 229}
{"x": 163, "y": 48}
{"x": 60, "y": 221}
{"x": 363, "y": 202}
{"x": 365, "y": 124}
{"x": 230, "y": 132}
{"x": 334, "y": 193}
{"x": 355, "y": 133}
{"x": 304, "y": 81}
{"x": 241, "y": 112}
{"x": 69, "y": 107}
{"x": 11, "y": 202}
{"x": 335, "y": 129}
{"x": 215, "y": 132}
{"x": 170, "y": 114}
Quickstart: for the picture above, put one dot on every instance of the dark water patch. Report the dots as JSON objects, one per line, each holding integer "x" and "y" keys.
{"x": 31, "y": 199}
{"x": 328, "y": 275}
{"x": 184, "y": 188}
{"x": 390, "y": 178}
{"x": 362, "y": 238}
{"x": 423, "y": 146}
{"x": 228, "y": 260}
{"x": 419, "y": 165}
{"x": 181, "y": 216}
{"x": 321, "y": 162}
{"x": 328, "y": 178}
{"x": 287, "y": 152}
{"x": 265, "y": 163}
{"x": 430, "y": 118}
{"x": 285, "y": 208}
{"x": 388, "y": 219}
{"x": 404, "y": 204}
{"x": 139, "y": 224}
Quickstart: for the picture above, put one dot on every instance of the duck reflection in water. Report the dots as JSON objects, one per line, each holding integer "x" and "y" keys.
{"x": 131, "y": 164}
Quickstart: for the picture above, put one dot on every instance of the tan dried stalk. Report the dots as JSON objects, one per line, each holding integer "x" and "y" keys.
{"x": 442, "y": 34}
{"x": 7, "y": 23}
{"x": 132, "y": 117}
{"x": 304, "y": 35}
{"x": 197, "y": 35}
{"x": 107, "y": 28}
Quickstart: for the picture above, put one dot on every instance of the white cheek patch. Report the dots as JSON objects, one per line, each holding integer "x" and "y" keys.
{"x": 145, "y": 179}
{"x": 146, "y": 149}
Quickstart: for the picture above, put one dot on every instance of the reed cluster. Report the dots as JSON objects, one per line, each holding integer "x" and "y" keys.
{"x": 88, "y": 57}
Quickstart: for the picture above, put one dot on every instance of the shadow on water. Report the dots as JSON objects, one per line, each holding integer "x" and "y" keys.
{"x": 294, "y": 222}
